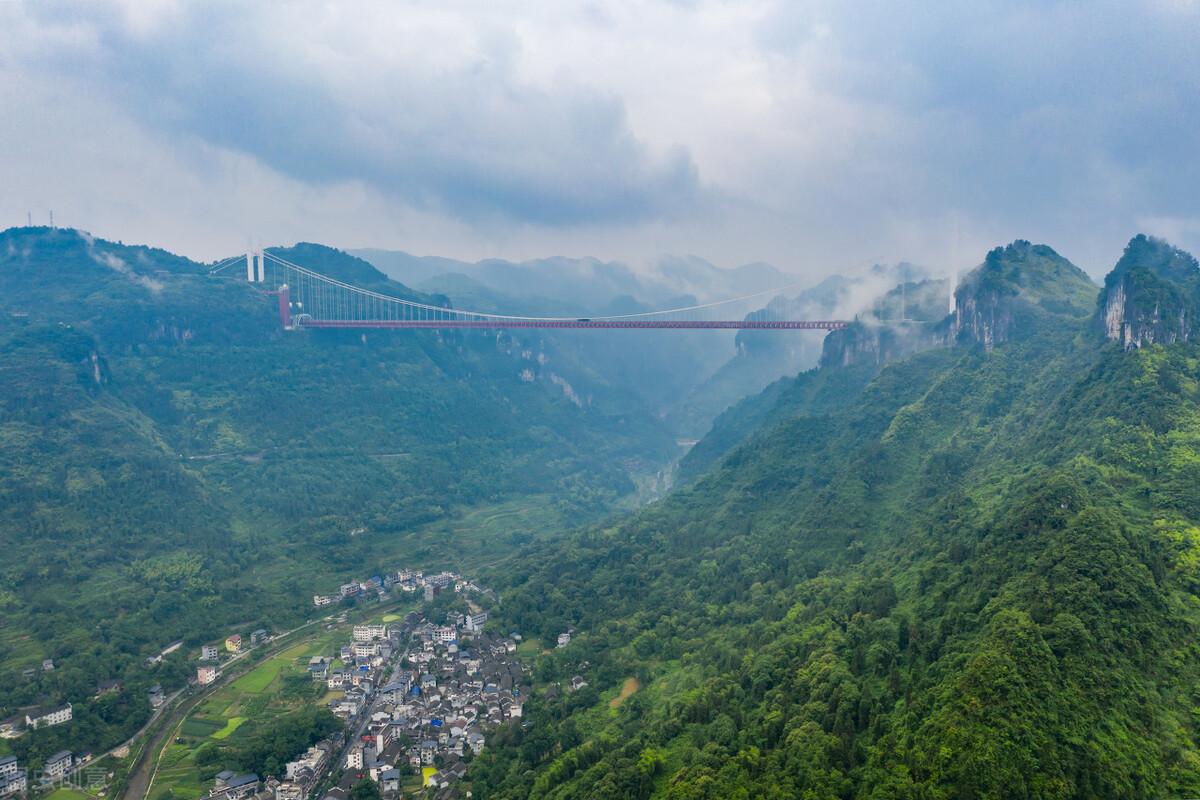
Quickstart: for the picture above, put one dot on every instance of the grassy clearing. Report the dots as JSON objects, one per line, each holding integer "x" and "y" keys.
{"x": 426, "y": 774}
{"x": 630, "y": 686}
{"x": 232, "y": 725}
{"x": 258, "y": 679}
{"x": 199, "y": 727}
{"x": 71, "y": 793}
{"x": 484, "y": 534}
{"x": 68, "y": 793}
{"x": 177, "y": 776}
{"x": 295, "y": 651}
{"x": 528, "y": 648}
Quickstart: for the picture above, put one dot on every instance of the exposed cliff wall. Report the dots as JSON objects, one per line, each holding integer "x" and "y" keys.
{"x": 870, "y": 341}
{"x": 906, "y": 320}
{"x": 983, "y": 314}
{"x": 1014, "y": 291}
{"x": 1152, "y": 296}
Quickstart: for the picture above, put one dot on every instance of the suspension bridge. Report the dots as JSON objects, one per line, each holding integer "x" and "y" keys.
{"x": 309, "y": 299}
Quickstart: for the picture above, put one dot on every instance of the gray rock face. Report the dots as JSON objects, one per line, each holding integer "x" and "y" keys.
{"x": 983, "y": 317}
{"x": 1152, "y": 296}
{"x": 1016, "y": 289}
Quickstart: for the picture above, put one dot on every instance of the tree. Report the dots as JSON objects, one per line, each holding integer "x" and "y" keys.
{"x": 366, "y": 789}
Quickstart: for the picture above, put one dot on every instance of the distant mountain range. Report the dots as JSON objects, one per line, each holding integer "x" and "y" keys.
{"x": 685, "y": 378}
{"x": 587, "y": 285}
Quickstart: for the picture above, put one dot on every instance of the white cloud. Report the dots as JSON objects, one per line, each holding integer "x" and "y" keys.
{"x": 814, "y": 135}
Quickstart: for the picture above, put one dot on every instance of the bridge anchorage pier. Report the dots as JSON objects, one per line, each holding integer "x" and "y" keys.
{"x": 285, "y": 307}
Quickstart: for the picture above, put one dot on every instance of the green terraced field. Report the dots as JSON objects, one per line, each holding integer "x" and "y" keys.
{"x": 258, "y": 679}
{"x": 232, "y": 725}
{"x": 250, "y": 699}
{"x": 199, "y": 726}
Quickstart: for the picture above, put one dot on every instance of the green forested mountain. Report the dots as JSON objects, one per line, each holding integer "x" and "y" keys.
{"x": 1152, "y": 295}
{"x": 1016, "y": 289}
{"x": 172, "y": 463}
{"x": 957, "y": 560}
{"x": 763, "y": 357}
{"x": 974, "y": 578}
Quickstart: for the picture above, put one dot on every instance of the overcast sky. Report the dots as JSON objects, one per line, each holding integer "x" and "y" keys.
{"x": 818, "y": 136}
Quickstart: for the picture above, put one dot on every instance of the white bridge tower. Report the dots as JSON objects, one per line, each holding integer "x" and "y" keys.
{"x": 256, "y": 266}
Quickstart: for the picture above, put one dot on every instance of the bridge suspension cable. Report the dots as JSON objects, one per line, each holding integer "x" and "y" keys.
{"x": 310, "y": 299}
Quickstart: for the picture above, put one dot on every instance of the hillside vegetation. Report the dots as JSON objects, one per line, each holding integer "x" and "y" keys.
{"x": 172, "y": 463}
{"x": 975, "y": 578}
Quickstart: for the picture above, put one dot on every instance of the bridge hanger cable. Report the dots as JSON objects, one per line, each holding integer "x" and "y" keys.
{"x": 487, "y": 315}
{"x": 387, "y": 297}
{"x": 227, "y": 262}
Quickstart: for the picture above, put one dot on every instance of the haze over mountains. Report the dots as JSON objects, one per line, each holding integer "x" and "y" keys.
{"x": 954, "y": 558}
{"x": 785, "y": 406}
{"x": 685, "y": 378}
{"x": 961, "y": 570}
{"x": 588, "y": 284}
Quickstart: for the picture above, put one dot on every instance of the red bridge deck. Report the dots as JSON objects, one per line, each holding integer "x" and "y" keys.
{"x": 616, "y": 324}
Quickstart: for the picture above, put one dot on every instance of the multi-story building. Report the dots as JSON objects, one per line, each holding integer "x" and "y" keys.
{"x": 313, "y": 760}
{"x": 46, "y": 717}
{"x": 365, "y": 649}
{"x": 206, "y": 675}
{"x": 13, "y": 782}
{"x": 229, "y": 786}
{"x": 58, "y": 765}
{"x": 365, "y": 633}
{"x": 290, "y": 790}
{"x": 209, "y": 652}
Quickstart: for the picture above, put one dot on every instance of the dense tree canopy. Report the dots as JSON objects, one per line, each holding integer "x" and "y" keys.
{"x": 974, "y": 579}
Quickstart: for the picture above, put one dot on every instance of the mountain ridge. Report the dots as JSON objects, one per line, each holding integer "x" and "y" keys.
{"x": 172, "y": 462}
{"x": 973, "y": 579}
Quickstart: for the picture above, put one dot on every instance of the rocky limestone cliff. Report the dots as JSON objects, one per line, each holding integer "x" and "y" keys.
{"x": 1015, "y": 288}
{"x": 867, "y": 342}
{"x": 906, "y": 320}
{"x": 1152, "y": 295}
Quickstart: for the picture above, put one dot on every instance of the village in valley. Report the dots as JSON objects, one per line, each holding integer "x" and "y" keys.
{"x": 416, "y": 693}
{"x": 418, "y": 696}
